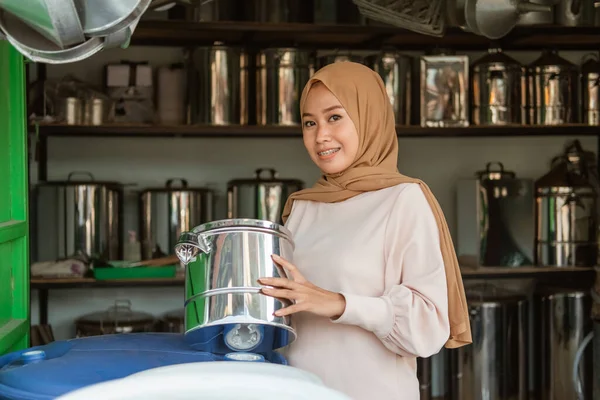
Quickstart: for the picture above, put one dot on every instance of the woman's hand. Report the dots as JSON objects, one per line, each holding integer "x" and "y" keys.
{"x": 307, "y": 297}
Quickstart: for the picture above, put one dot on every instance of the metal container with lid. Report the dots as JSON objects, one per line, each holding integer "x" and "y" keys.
{"x": 552, "y": 90}
{"x": 167, "y": 212}
{"x": 78, "y": 217}
{"x": 567, "y": 210}
{"x": 494, "y": 366}
{"x": 218, "y": 85}
{"x": 224, "y": 308}
{"x": 590, "y": 86}
{"x": 498, "y": 85}
{"x": 281, "y": 74}
{"x": 118, "y": 318}
{"x": 262, "y": 197}
{"x": 396, "y": 72}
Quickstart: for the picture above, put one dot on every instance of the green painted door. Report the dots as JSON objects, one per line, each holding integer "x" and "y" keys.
{"x": 14, "y": 230}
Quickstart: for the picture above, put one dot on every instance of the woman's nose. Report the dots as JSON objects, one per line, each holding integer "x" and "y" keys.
{"x": 323, "y": 135}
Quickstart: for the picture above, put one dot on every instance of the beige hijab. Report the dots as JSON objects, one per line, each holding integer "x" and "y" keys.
{"x": 361, "y": 92}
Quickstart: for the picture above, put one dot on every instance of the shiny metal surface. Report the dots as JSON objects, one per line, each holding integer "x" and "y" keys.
{"x": 55, "y": 20}
{"x": 494, "y": 366}
{"x": 590, "y": 85}
{"x": 552, "y": 90}
{"x": 339, "y": 57}
{"x": 213, "y": 10}
{"x": 498, "y": 84}
{"x": 262, "y": 197}
{"x": 444, "y": 81}
{"x": 224, "y": 259}
{"x": 78, "y": 217}
{"x": 218, "y": 86}
{"x": 101, "y": 18}
{"x": 396, "y": 72}
{"x": 565, "y": 323}
{"x": 165, "y": 213}
{"x": 280, "y": 78}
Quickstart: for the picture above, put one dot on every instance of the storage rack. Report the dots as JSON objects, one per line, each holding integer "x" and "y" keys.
{"x": 322, "y": 36}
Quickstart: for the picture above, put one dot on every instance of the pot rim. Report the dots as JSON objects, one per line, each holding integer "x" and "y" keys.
{"x": 240, "y": 223}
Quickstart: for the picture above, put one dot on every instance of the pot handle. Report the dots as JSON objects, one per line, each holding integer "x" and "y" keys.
{"x": 183, "y": 182}
{"x": 189, "y": 245}
{"x": 89, "y": 174}
{"x": 259, "y": 171}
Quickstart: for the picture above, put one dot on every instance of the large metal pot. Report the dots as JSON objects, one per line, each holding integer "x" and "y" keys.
{"x": 567, "y": 211}
{"x": 590, "y": 86}
{"x": 167, "y": 212}
{"x": 498, "y": 84}
{"x": 280, "y": 78}
{"x": 116, "y": 319}
{"x": 224, "y": 309}
{"x": 260, "y": 198}
{"x": 494, "y": 367}
{"x": 552, "y": 90}
{"x": 218, "y": 86}
{"x": 396, "y": 72}
{"x": 82, "y": 217}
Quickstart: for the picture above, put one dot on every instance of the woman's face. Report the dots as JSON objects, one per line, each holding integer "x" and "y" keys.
{"x": 329, "y": 134}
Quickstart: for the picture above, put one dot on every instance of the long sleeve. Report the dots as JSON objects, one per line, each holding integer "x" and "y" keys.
{"x": 411, "y": 316}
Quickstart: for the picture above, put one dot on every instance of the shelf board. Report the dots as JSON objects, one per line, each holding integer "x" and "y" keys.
{"x": 334, "y": 36}
{"x": 527, "y": 272}
{"x": 78, "y": 283}
{"x": 242, "y": 131}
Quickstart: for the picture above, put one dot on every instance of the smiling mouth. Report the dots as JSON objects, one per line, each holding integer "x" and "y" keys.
{"x": 328, "y": 152}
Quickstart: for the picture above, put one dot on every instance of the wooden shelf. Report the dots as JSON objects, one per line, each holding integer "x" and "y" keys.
{"x": 527, "y": 272}
{"x": 242, "y": 131}
{"x": 254, "y": 34}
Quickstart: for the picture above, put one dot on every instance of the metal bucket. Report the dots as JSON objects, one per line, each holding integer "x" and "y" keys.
{"x": 218, "y": 86}
{"x": 280, "y": 78}
{"x": 79, "y": 217}
{"x": 224, "y": 309}
{"x": 167, "y": 212}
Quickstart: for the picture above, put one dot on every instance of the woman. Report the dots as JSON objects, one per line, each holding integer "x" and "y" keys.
{"x": 375, "y": 281}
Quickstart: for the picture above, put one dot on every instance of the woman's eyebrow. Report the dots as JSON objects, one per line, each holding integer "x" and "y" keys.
{"x": 336, "y": 107}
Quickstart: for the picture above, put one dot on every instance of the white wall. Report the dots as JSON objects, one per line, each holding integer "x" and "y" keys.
{"x": 151, "y": 161}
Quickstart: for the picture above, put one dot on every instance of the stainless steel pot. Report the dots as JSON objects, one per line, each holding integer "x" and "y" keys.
{"x": 552, "y": 90}
{"x": 494, "y": 367}
{"x": 498, "y": 85}
{"x": 116, "y": 319}
{"x": 224, "y": 309}
{"x": 218, "y": 86}
{"x": 339, "y": 57}
{"x": 79, "y": 217}
{"x": 590, "y": 86}
{"x": 260, "y": 198}
{"x": 280, "y": 78}
{"x": 396, "y": 72}
{"x": 167, "y": 212}
{"x": 567, "y": 211}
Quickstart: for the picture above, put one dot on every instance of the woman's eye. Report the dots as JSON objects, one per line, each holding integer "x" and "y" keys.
{"x": 308, "y": 123}
{"x": 335, "y": 117}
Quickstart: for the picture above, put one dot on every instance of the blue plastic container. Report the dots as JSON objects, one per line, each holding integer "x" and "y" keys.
{"x": 46, "y": 372}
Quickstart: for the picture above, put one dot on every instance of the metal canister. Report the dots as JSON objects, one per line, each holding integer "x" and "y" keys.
{"x": 168, "y": 211}
{"x": 218, "y": 86}
{"x": 79, "y": 217}
{"x": 280, "y": 78}
{"x": 552, "y": 90}
{"x": 498, "y": 85}
{"x": 566, "y": 216}
{"x": 563, "y": 322}
{"x": 396, "y": 72}
{"x": 590, "y": 86}
{"x": 262, "y": 197}
{"x": 494, "y": 367}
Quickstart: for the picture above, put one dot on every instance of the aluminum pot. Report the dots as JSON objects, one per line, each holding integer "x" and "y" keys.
{"x": 280, "y": 78}
{"x": 498, "y": 85}
{"x": 118, "y": 318}
{"x": 260, "y": 198}
{"x": 167, "y": 212}
{"x": 218, "y": 85}
{"x": 224, "y": 309}
{"x": 82, "y": 217}
{"x": 396, "y": 72}
{"x": 590, "y": 86}
{"x": 552, "y": 90}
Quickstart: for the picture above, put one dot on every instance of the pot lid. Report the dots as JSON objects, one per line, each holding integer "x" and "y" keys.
{"x": 575, "y": 168}
{"x": 91, "y": 181}
{"x": 495, "y": 174}
{"x": 171, "y": 186}
{"x": 550, "y": 57}
{"x": 259, "y": 177}
{"x": 119, "y": 314}
{"x": 591, "y": 64}
{"x": 495, "y": 55}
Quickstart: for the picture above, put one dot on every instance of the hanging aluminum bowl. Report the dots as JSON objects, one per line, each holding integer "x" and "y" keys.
{"x": 224, "y": 308}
